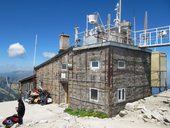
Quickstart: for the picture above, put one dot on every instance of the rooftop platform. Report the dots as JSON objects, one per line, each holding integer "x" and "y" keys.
{"x": 111, "y": 43}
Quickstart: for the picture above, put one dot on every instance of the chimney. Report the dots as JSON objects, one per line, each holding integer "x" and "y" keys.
{"x": 64, "y": 42}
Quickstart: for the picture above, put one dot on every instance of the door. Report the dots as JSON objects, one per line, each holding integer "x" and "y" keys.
{"x": 65, "y": 86}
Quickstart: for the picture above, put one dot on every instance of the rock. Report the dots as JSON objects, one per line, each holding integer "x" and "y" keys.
{"x": 166, "y": 118}
{"x": 70, "y": 119}
{"x": 166, "y": 123}
{"x": 166, "y": 101}
{"x": 157, "y": 116}
{"x": 147, "y": 113}
{"x": 67, "y": 118}
{"x": 142, "y": 101}
{"x": 146, "y": 120}
{"x": 32, "y": 123}
{"x": 43, "y": 121}
{"x": 123, "y": 113}
{"x": 163, "y": 109}
{"x": 139, "y": 107}
{"x": 130, "y": 106}
{"x": 161, "y": 113}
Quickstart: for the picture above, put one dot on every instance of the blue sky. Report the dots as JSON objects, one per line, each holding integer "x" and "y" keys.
{"x": 21, "y": 20}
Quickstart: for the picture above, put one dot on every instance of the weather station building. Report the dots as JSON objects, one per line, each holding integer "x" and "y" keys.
{"x": 104, "y": 69}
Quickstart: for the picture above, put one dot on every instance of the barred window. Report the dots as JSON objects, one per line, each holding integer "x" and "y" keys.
{"x": 94, "y": 94}
{"x": 64, "y": 66}
{"x": 121, "y": 94}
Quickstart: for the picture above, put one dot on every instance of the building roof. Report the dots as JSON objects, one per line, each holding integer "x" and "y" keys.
{"x": 53, "y": 58}
{"x": 111, "y": 43}
{"x": 27, "y": 78}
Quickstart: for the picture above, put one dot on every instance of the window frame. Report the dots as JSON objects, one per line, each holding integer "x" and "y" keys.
{"x": 90, "y": 92}
{"x": 118, "y": 65}
{"x": 65, "y": 66}
{"x": 121, "y": 97}
{"x": 91, "y": 65}
{"x": 63, "y": 74}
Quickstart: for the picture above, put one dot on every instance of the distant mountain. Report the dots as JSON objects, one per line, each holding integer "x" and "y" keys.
{"x": 8, "y": 94}
{"x": 14, "y": 76}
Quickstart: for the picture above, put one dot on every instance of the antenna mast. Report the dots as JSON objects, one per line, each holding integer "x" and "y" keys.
{"x": 145, "y": 26}
{"x": 146, "y": 21}
{"x": 35, "y": 51}
{"x": 118, "y": 15}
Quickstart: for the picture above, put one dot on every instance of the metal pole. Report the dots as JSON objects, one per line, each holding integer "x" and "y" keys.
{"x": 87, "y": 25}
{"x": 127, "y": 36}
{"x": 76, "y": 36}
{"x": 140, "y": 40}
{"x": 120, "y": 11}
{"x": 108, "y": 22}
{"x": 35, "y": 50}
{"x": 169, "y": 34}
{"x": 156, "y": 36}
{"x": 135, "y": 31}
{"x": 150, "y": 38}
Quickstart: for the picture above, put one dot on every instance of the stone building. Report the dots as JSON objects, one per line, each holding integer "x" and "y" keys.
{"x": 102, "y": 78}
{"x": 103, "y": 74}
{"x": 27, "y": 84}
{"x": 105, "y": 78}
{"x": 50, "y": 74}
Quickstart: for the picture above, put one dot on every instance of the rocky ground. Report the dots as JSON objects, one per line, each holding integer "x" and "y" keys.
{"x": 150, "y": 112}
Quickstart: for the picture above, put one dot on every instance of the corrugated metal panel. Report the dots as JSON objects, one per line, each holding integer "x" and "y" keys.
{"x": 158, "y": 69}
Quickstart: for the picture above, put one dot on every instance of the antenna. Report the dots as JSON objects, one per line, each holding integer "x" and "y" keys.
{"x": 145, "y": 26}
{"x": 108, "y": 24}
{"x": 134, "y": 23}
{"x": 118, "y": 15}
{"x": 134, "y": 30}
{"x": 120, "y": 11}
{"x": 146, "y": 21}
{"x": 35, "y": 51}
{"x": 76, "y": 40}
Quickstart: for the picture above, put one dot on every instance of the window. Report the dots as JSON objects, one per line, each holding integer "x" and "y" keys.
{"x": 121, "y": 64}
{"x": 64, "y": 66}
{"x": 94, "y": 94}
{"x": 94, "y": 64}
{"x": 63, "y": 75}
{"x": 121, "y": 94}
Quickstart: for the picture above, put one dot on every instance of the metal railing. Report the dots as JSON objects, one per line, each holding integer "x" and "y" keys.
{"x": 153, "y": 37}
{"x": 103, "y": 35}
{"x": 144, "y": 38}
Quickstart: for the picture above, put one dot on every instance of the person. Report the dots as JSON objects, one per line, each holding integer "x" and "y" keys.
{"x": 20, "y": 111}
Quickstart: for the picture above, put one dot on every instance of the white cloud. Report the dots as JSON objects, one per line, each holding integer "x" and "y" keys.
{"x": 48, "y": 55}
{"x": 16, "y": 50}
